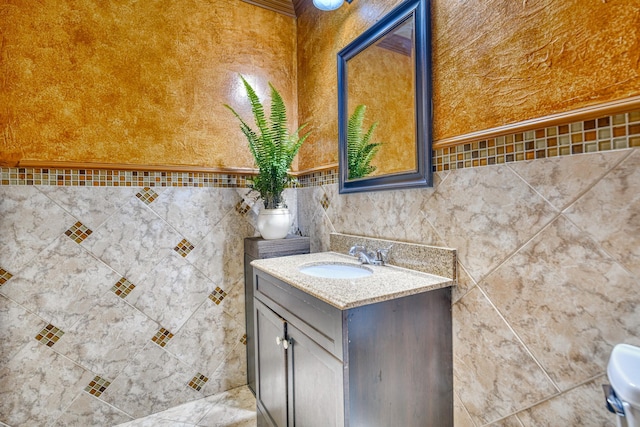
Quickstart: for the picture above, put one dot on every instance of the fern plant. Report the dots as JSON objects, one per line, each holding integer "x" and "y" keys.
{"x": 360, "y": 151}
{"x": 272, "y": 146}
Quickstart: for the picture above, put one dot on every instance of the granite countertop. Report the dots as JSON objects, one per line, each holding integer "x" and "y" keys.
{"x": 387, "y": 282}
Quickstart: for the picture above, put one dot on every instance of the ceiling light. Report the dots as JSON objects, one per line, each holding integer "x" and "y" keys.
{"x": 328, "y": 4}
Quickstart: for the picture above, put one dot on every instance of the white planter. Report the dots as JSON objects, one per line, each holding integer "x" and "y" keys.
{"x": 274, "y": 223}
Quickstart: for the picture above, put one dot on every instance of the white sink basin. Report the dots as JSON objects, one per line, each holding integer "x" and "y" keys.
{"x": 336, "y": 271}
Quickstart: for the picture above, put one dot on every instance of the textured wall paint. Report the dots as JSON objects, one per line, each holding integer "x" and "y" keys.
{"x": 136, "y": 82}
{"x": 494, "y": 62}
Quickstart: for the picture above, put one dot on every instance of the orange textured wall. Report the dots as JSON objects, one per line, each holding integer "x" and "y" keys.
{"x": 136, "y": 82}
{"x": 494, "y": 61}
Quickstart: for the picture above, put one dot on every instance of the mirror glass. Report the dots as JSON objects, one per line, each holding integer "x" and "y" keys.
{"x": 384, "y": 104}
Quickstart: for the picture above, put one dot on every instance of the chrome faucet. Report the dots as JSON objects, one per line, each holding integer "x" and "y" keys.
{"x": 365, "y": 256}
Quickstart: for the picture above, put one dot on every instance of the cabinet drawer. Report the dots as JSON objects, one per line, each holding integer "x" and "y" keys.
{"x": 317, "y": 319}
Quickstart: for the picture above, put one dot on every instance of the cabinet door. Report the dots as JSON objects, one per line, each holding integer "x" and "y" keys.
{"x": 271, "y": 365}
{"x": 248, "y": 313}
{"x": 315, "y": 383}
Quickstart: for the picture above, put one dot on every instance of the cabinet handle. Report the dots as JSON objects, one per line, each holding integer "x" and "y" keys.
{"x": 284, "y": 342}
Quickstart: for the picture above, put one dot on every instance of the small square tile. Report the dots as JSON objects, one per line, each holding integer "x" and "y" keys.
{"x": 242, "y": 207}
{"x": 147, "y": 195}
{"x": 184, "y": 247}
{"x": 123, "y": 288}
{"x": 49, "y": 335}
{"x": 4, "y": 276}
{"x": 243, "y": 340}
{"x": 162, "y": 337}
{"x": 198, "y": 382}
{"x": 218, "y": 295}
{"x": 78, "y": 232}
{"x": 325, "y": 201}
{"x": 97, "y": 386}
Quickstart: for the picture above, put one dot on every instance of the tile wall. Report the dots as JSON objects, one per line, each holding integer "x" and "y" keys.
{"x": 121, "y": 294}
{"x": 118, "y": 301}
{"x": 548, "y": 276}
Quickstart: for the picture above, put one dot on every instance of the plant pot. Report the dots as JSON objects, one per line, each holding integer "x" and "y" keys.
{"x": 274, "y": 223}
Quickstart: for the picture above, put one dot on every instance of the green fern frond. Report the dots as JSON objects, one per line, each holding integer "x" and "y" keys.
{"x": 360, "y": 152}
{"x": 271, "y": 145}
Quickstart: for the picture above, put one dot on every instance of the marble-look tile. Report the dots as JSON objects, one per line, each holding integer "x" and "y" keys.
{"x": 561, "y": 180}
{"x": 37, "y": 384}
{"x": 310, "y": 212}
{"x": 349, "y": 212}
{"x": 233, "y": 303}
{"x": 231, "y": 373}
{"x": 18, "y": 328}
{"x": 236, "y": 407}
{"x": 206, "y": 339}
{"x": 220, "y": 253}
{"x": 132, "y": 240}
{"x": 194, "y": 211}
{"x": 153, "y": 381}
{"x": 156, "y": 422}
{"x": 495, "y": 375}
{"x": 389, "y": 212}
{"x": 511, "y": 421}
{"x": 568, "y": 301}
{"x": 608, "y": 212}
{"x": 62, "y": 284}
{"x": 463, "y": 285}
{"x": 461, "y": 417}
{"x": 190, "y": 412}
{"x": 30, "y": 222}
{"x": 87, "y": 410}
{"x": 582, "y": 406}
{"x": 171, "y": 291}
{"x": 421, "y": 231}
{"x": 90, "y": 205}
{"x": 107, "y": 336}
{"x": 486, "y": 214}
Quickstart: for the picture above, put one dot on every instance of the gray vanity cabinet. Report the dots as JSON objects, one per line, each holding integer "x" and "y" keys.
{"x": 378, "y": 365}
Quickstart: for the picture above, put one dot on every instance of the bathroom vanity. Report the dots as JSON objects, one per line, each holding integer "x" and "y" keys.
{"x": 370, "y": 351}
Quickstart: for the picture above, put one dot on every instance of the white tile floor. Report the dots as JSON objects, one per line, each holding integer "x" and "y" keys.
{"x": 233, "y": 408}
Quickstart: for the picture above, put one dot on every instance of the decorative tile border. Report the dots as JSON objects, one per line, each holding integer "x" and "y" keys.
{"x": 615, "y": 132}
{"x": 117, "y": 178}
{"x": 607, "y": 133}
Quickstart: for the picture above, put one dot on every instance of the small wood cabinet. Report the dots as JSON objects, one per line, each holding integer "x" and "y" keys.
{"x": 383, "y": 364}
{"x": 258, "y": 248}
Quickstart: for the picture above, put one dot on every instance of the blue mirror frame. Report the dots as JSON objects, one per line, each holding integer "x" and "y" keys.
{"x": 422, "y": 176}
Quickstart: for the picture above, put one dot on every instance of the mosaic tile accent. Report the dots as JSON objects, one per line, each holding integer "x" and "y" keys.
{"x": 78, "y": 232}
{"x": 615, "y": 132}
{"x": 198, "y": 382}
{"x": 118, "y": 178}
{"x": 4, "y": 276}
{"x": 49, "y": 335}
{"x": 97, "y": 386}
{"x": 607, "y": 133}
{"x": 147, "y": 195}
{"x": 184, "y": 247}
{"x": 315, "y": 179}
{"x": 162, "y": 337}
{"x": 243, "y": 207}
{"x": 325, "y": 201}
{"x": 123, "y": 288}
{"x": 218, "y": 295}
{"x": 243, "y": 340}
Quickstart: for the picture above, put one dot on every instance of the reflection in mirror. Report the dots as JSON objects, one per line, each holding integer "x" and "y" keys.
{"x": 381, "y": 77}
{"x": 384, "y": 79}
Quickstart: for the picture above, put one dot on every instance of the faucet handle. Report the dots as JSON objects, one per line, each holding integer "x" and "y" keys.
{"x": 382, "y": 254}
{"x": 356, "y": 249}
